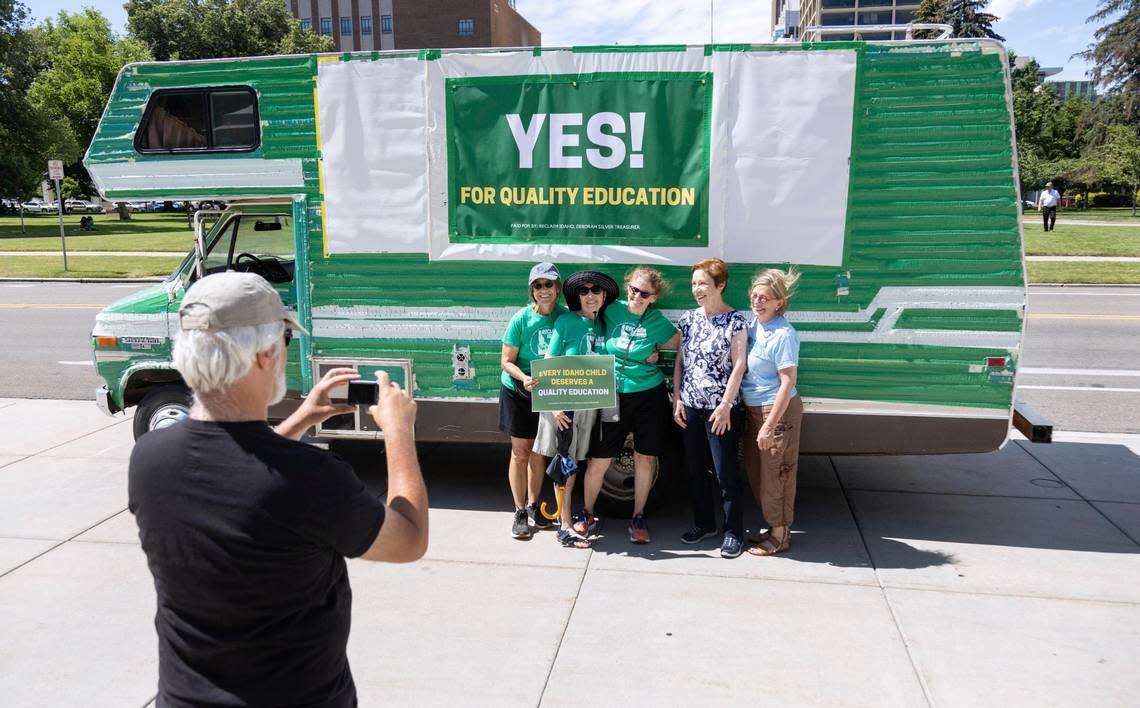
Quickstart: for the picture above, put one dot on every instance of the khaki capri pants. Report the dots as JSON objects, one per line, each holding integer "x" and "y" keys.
{"x": 772, "y": 472}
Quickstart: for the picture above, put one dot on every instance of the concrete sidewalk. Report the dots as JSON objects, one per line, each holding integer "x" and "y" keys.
{"x": 1008, "y": 579}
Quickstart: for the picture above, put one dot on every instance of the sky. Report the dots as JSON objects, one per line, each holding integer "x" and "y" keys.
{"x": 1049, "y": 30}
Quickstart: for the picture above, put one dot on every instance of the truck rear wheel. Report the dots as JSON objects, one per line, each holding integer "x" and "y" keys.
{"x": 160, "y": 407}
{"x": 616, "y": 497}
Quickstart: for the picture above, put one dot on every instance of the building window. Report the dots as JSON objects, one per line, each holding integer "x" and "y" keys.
{"x": 366, "y": 24}
{"x": 346, "y": 25}
{"x": 466, "y": 28}
{"x": 903, "y": 17}
{"x": 386, "y": 24}
{"x": 875, "y": 3}
{"x": 306, "y": 25}
{"x": 838, "y": 19}
{"x": 874, "y": 36}
{"x": 875, "y": 18}
{"x": 200, "y": 120}
{"x": 829, "y": 4}
{"x": 326, "y": 25}
{"x": 838, "y": 37}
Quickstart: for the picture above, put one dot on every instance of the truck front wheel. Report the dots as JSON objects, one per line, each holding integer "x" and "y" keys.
{"x": 616, "y": 497}
{"x": 160, "y": 407}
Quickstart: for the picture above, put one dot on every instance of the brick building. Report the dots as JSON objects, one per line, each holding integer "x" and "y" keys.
{"x": 413, "y": 24}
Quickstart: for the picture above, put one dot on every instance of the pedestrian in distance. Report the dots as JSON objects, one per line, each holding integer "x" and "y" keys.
{"x": 526, "y": 338}
{"x": 1047, "y": 203}
{"x": 774, "y": 409}
{"x": 707, "y": 373}
{"x": 635, "y": 330}
{"x": 580, "y": 331}
{"x": 245, "y": 529}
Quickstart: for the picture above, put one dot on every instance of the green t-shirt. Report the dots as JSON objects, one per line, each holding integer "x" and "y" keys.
{"x": 654, "y": 329}
{"x": 531, "y": 333}
{"x": 575, "y": 334}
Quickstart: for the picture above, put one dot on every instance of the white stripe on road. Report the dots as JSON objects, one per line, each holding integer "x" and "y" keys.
{"x": 76, "y": 363}
{"x": 1096, "y": 389}
{"x": 1046, "y": 371}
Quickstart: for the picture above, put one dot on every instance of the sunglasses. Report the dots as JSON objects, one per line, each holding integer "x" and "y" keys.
{"x": 288, "y": 336}
{"x": 762, "y": 299}
{"x": 590, "y": 290}
{"x": 638, "y": 292}
{"x": 542, "y": 284}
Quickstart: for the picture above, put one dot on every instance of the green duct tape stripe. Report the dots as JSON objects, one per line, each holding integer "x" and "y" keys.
{"x": 978, "y": 320}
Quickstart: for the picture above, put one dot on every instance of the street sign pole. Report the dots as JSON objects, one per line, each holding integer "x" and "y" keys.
{"x": 55, "y": 172}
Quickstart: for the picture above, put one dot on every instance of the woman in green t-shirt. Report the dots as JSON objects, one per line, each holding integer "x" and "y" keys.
{"x": 578, "y": 332}
{"x": 526, "y": 339}
{"x": 635, "y": 330}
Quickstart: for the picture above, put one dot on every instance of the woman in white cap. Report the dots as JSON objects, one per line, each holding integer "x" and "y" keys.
{"x": 526, "y": 339}
{"x": 579, "y": 331}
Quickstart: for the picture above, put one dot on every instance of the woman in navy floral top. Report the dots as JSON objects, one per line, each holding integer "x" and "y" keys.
{"x": 706, "y": 384}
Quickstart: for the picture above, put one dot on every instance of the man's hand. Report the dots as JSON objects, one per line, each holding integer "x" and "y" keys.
{"x": 395, "y": 411}
{"x": 318, "y": 407}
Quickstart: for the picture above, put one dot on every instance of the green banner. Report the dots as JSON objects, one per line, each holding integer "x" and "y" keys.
{"x": 573, "y": 383}
{"x": 615, "y": 159}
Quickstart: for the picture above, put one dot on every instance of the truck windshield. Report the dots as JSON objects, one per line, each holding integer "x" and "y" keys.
{"x": 254, "y": 243}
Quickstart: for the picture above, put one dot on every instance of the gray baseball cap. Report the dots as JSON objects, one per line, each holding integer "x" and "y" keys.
{"x": 232, "y": 299}
{"x": 543, "y": 270}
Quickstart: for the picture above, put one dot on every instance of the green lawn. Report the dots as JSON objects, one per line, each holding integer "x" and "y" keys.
{"x": 144, "y": 232}
{"x": 87, "y": 266}
{"x": 1084, "y": 272}
{"x": 1102, "y": 214}
{"x": 1069, "y": 240}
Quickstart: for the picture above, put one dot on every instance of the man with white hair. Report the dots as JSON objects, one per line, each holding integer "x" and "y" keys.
{"x": 1047, "y": 203}
{"x": 245, "y": 529}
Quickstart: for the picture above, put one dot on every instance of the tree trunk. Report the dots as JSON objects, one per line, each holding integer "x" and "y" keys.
{"x": 124, "y": 212}
{"x": 1135, "y": 188}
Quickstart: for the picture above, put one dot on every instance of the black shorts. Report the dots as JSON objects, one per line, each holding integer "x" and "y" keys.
{"x": 646, "y": 415}
{"x": 515, "y": 416}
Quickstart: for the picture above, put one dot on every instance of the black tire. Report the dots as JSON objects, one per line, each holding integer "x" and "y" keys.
{"x": 616, "y": 497}
{"x": 160, "y": 407}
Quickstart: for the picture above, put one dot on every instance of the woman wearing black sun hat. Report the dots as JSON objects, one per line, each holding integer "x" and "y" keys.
{"x": 579, "y": 331}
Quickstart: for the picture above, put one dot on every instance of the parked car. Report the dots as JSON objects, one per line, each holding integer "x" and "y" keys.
{"x": 39, "y": 206}
{"x": 81, "y": 206}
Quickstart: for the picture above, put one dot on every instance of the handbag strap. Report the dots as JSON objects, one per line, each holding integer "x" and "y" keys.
{"x": 625, "y": 357}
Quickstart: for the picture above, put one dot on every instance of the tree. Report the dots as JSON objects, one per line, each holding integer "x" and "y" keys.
{"x": 933, "y": 12}
{"x": 207, "y": 29}
{"x": 69, "y": 188}
{"x": 1116, "y": 54}
{"x": 969, "y": 19}
{"x": 82, "y": 59}
{"x": 28, "y": 137}
{"x": 1120, "y": 160}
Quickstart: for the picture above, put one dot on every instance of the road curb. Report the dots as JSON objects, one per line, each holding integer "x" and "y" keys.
{"x": 31, "y": 279}
{"x": 1084, "y": 285}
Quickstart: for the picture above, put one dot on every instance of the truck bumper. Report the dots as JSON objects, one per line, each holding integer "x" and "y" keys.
{"x": 104, "y": 401}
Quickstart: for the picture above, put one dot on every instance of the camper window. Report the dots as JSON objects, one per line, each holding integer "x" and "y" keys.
{"x": 200, "y": 120}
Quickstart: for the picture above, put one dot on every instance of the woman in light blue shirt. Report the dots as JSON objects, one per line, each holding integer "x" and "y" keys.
{"x": 772, "y": 437}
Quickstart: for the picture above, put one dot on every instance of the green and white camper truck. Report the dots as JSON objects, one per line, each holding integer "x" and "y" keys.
{"x": 398, "y": 199}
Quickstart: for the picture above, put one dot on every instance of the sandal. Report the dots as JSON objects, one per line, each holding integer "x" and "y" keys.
{"x": 569, "y": 538}
{"x": 770, "y": 546}
{"x": 758, "y": 536}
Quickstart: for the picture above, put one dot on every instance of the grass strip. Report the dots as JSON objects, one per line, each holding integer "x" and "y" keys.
{"x": 87, "y": 266}
{"x": 144, "y": 232}
{"x": 1084, "y": 272}
{"x": 1068, "y": 240}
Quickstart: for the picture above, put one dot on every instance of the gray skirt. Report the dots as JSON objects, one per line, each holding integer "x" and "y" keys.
{"x": 544, "y": 441}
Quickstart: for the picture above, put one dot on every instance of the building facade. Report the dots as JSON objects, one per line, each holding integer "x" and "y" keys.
{"x": 1073, "y": 89}
{"x": 365, "y": 25}
{"x": 844, "y": 13}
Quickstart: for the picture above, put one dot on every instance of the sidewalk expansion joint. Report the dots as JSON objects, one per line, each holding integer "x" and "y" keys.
{"x": 61, "y": 543}
{"x": 1085, "y": 499}
{"x": 926, "y": 691}
{"x": 973, "y": 592}
{"x": 565, "y": 627}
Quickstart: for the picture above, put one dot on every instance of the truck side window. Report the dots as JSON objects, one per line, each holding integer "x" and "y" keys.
{"x": 263, "y": 244}
{"x": 222, "y": 119}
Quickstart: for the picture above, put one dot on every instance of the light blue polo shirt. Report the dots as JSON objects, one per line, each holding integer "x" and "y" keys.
{"x": 771, "y": 347}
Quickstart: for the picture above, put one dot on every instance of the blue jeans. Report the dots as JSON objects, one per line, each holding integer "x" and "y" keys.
{"x": 701, "y": 444}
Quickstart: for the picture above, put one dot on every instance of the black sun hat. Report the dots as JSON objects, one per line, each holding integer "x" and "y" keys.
{"x": 570, "y": 288}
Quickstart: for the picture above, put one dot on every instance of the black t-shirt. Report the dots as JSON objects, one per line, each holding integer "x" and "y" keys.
{"x": 245, "y": 533}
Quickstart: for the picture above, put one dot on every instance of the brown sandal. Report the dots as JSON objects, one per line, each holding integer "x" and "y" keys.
{"x": 770, "y": 546}
{"x": 758, "y": 536}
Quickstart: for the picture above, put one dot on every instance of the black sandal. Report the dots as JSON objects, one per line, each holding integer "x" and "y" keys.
{"x": 569, "y": 538}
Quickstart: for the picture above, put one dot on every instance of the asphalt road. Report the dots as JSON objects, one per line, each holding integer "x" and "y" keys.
{"x": 1080, "y": 366}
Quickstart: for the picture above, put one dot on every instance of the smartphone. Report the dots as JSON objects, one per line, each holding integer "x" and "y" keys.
{"x": 363, "y": 393}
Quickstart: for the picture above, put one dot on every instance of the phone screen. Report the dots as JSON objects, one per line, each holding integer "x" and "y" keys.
{"x": 363, "y": 393}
